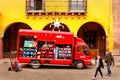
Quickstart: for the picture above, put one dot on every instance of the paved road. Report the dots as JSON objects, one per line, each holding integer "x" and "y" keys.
{"x": 54, "y": 73}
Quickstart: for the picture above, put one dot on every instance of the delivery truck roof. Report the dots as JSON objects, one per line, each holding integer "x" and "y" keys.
{"x": 59, "y": 37}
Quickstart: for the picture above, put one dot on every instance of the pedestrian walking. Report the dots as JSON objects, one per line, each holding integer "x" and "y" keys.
{"x": 99, "y": 65}
{"x": 109, "y": 60}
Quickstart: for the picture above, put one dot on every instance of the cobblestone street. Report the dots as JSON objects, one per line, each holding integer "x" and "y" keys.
{"x": 54, "y": 73}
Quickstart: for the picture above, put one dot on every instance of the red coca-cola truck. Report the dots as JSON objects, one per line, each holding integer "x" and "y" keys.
{"x": 37, "y": 48}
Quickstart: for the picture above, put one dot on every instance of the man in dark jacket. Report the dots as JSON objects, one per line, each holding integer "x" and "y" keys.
{"x": 109, "y": 60}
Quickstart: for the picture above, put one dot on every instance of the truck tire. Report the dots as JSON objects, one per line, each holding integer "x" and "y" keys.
{"x": 35, "y": 64}
{"x": 79, "y": 65}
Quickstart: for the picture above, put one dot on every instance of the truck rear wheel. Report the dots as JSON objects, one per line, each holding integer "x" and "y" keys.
{"x": 79, "y": 65}
{"x": 35, "y": 64}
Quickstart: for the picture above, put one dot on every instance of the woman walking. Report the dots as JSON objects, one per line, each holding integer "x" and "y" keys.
{"x": 99, "y": 65}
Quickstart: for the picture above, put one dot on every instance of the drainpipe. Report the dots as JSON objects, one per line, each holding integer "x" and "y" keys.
{"x": 110, "y": 31}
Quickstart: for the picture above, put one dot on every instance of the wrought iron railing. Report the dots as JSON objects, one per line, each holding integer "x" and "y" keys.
{"x": 56, "y": 5}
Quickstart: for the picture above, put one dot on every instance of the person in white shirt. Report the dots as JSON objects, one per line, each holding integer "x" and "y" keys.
{"x": 99, "y": 65}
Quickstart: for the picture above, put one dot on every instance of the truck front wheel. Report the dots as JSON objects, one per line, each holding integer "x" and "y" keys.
{"x": 79, "y": 65}
{"x": 35, "y": 64}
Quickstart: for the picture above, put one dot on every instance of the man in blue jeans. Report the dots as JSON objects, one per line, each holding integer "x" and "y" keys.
{"x": 109, "y": 60}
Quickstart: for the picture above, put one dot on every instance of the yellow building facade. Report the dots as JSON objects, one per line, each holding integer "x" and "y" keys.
{"x": 90, "y": 20}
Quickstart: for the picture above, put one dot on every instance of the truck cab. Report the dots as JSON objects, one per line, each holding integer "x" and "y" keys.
{"x": 82, "y": 55}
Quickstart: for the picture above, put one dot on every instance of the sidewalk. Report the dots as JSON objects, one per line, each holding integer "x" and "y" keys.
{"x": 5, "y": 60}
{"x": 117, "y": 64}
{"x": 44, "y": 73}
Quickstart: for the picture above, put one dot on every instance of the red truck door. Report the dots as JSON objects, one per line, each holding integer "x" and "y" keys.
{"x": 82, "y": 57}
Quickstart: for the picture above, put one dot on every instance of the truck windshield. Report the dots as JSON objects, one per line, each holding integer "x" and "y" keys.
{"x": 83, "y": 49}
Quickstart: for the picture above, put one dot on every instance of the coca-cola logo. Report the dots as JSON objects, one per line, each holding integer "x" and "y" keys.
{"x": 59, "y": 36}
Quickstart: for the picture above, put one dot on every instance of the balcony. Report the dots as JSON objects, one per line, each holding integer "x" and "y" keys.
{"x": 56, "y": 7}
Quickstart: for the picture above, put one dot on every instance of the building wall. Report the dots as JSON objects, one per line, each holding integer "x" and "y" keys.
{"x": 116, "y": 29}
{"x": 12, "y": 11}
{"x": 116, "y": 23}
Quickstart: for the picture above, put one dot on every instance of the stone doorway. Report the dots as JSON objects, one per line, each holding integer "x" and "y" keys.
{"x": 94, "y": 35}
{"x": 10, "y": 38}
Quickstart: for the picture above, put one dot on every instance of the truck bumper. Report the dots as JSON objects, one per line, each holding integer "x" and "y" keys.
{"x": 87, "y": 62}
